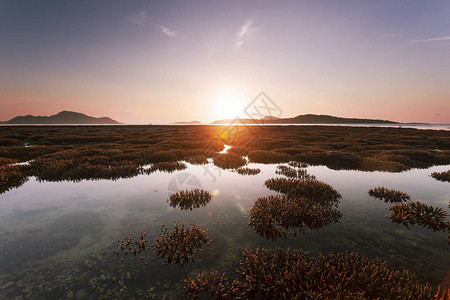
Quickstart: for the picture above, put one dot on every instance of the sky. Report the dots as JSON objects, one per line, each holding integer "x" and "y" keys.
{"x": 161, "y": 61}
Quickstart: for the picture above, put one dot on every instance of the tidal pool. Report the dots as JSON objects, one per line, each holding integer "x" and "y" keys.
{"x": 57, "y": 238}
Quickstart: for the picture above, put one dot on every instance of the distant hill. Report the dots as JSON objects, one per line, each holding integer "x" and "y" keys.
{"x": 188, "y": 123}
{"x": 308, "y": 119}
{"x": 64, "y": 117}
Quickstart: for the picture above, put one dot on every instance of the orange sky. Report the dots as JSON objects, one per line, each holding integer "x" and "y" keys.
{"x": 182, "y": 61}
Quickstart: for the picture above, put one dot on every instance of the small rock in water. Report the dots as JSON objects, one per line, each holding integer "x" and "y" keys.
{"x": 81, "y": 294}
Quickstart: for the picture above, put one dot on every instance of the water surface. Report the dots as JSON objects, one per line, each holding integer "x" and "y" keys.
{"x": 56, "y": 238}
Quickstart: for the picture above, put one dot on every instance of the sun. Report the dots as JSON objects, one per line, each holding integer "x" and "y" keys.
{"x": 228, "y": 106}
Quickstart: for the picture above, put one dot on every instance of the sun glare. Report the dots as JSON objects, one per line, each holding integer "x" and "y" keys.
{"x": 228, "y": 106}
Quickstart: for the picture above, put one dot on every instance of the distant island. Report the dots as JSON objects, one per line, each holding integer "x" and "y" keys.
{"x": 307, "y": 119}
{"x": 64, "y": 117}
{"x": 188, "y": 123}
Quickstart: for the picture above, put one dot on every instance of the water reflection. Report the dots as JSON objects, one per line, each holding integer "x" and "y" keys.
{"x": 73, "y": 226}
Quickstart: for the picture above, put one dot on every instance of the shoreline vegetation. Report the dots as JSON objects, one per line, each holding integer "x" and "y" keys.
{"x": 110, "y": 152}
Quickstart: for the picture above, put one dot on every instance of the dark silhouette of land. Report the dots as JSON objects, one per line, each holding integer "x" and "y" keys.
{"x": 307, "y": 119}
{"x": 64, "y": 117}
{"x": 188, "y": 123}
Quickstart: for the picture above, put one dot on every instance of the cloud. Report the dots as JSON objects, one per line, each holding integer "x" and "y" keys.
{"x": 140, "y": 19}
{"x": 442, "y": 38}
{"x": 245, "y": 30}
{"x": 207, "y": 45}
{"x": 168, "y": 31}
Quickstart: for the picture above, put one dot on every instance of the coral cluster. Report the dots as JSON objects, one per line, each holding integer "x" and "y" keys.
{"x": 278, "y": 216}
{"x": 312, "y": 189}
{"x": 190, "y": 199}
{"x": 11, "y": 177}
{"x": 229, "y": 161}
{"x": 299, "y": 173}
{"x": 181, "y": 244}
{"x": 441, "y": 176}
{"x": 389, "y": 196}
{"x": 427, "y": 216}
{"x": 294, "y": 274}
{"x": 302, "y": 203}
{"x": 130, "y": 245}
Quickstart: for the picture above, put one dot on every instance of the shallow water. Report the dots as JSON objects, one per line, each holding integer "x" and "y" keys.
{"x": 56, "y": 239}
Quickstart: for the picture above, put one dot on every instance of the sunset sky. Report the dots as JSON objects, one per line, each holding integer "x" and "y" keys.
{"x": 168, "y": 61}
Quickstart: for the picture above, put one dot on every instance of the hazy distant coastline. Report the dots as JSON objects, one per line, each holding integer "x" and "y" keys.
{"x": 64, "y": 117}
{"x": 188, "y": 123}
{"x": 75, "y": 118}
{"x": 307, "y": 119}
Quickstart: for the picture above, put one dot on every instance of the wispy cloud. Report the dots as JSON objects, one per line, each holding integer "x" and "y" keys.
{"x": 207, "y": 45}
{"x": 167, "y": 31}
{"x": 140, "y": 19}
{"x": 442, "y": 38}
{"x": 246, "y": 28}
{"x": 244, "y": 31}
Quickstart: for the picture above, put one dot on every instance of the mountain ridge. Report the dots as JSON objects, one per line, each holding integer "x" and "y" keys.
{"x": 188, "y": 123}
{"x": 308, "y": 119}
{"x": 63, "y": 117}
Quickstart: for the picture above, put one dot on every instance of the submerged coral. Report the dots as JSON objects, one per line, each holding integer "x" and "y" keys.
{"x": 276, "y": 217}
{"x": 298, "y": 164}
{"x": 294, "y": 274}
{"x": 11, "y": 177}
{"x": 310, "y": 188}
{"x": 441, "y": 176}
{"x": 77, "y": 153}
{"x": 189, "y": 199}
{"x": 389, "y": 196}
{"x": 248, "y": 171}
{"x": 167, "y": 166}
{"x": 130, "y": 245}
{"x": 295, "y": 173}
{"x": 229, "y": 161}
{"x": 427, "y": 216}
{"x": 303, "y": 203}
{"x": 268, "y": 157}
{"x": 181, "y": 244}
{"x": 197, "y": 159}
{"x": 42, "y": 242}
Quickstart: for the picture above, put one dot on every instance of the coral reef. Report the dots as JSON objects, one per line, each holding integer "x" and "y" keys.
{"x": 427, "y": 216}
{"x": 247, "y": 171}
{"x": 190, "y": 199}
{"x": 295, "y": 173}
{"x": 294, "y": 274}
{"x": 267, "y": 157}
{"x": 277, "y": 216}
{"x": 129, "y": 245}
{"x": 11, "y": 177}
{"x": 441, "y": 176}
{"x": 110, "y": 152}
{"x": 181, "y": 244}
{"x": 311, "y": 189}
{"x": 389, "y": 196}
{"x": 303, "y": 203}
{"x": 166, "y": 166}
{"x": 229, "y": 161}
